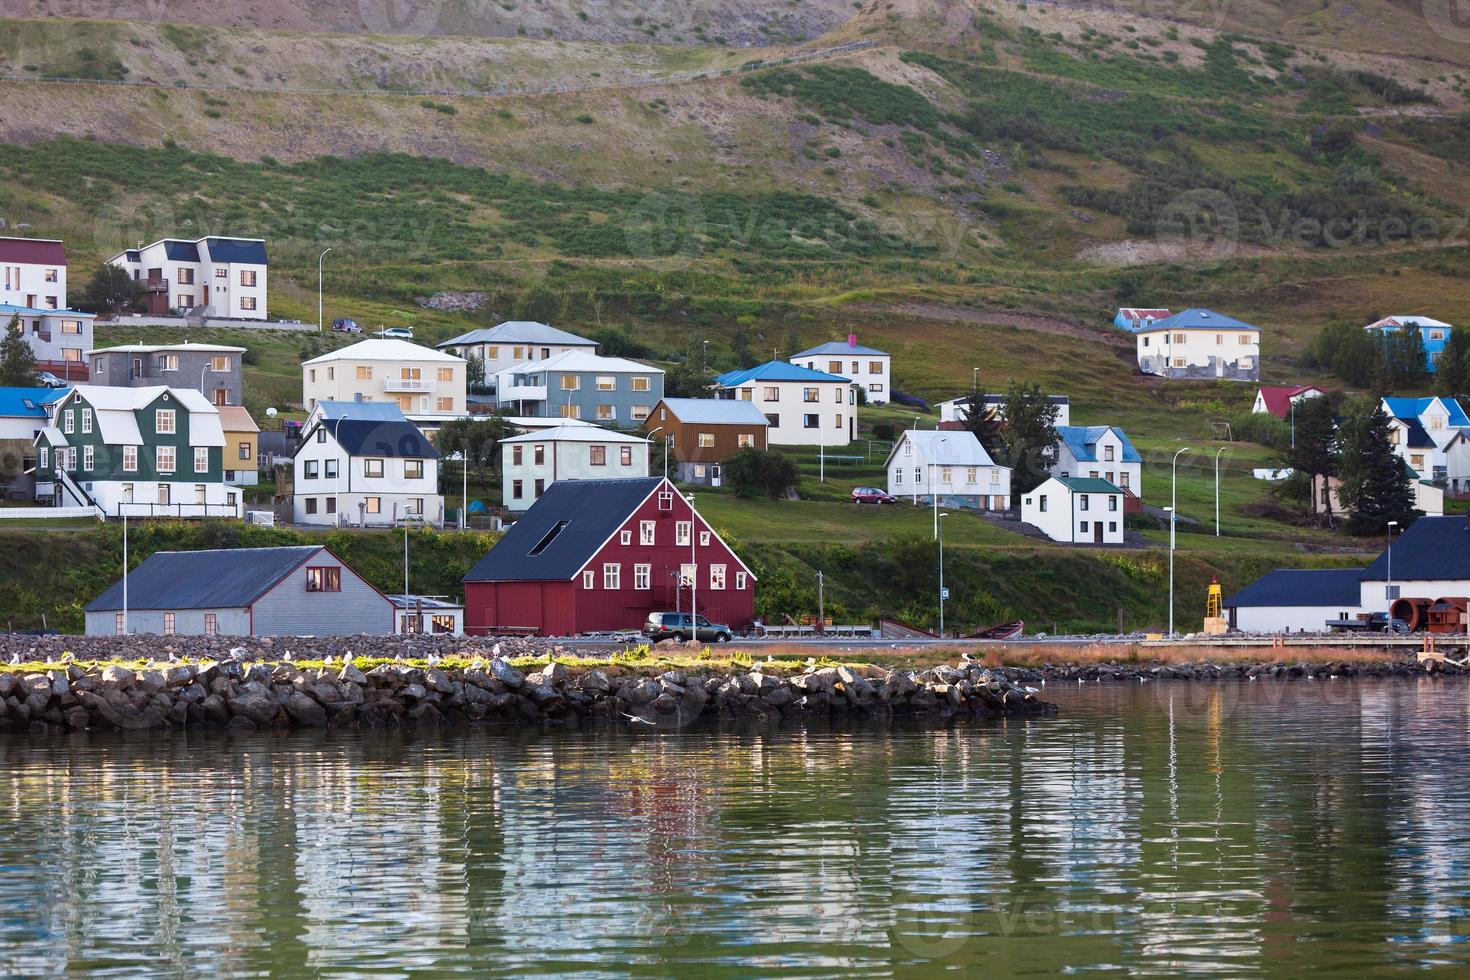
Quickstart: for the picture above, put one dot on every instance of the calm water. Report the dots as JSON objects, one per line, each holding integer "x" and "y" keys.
{"x": 1265, "y": 828}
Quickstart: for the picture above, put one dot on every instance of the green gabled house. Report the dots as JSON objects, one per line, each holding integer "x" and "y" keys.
{"x": 146, "y": 452}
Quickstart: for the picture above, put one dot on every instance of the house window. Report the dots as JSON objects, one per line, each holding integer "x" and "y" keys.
{"x": 45, "y": 458}
{"x": 810, "y": 394}
{"x": 1108, "y": 454}
{"x": 646, "y": 532}
{"x": 49, "y": 275}
{"x": 740, "y": 581}
{"x": 1082, "y": 526}
{"x": 571, "y": 411}
{"x": 1041, "y": 503}
{"x": 1123, "y": 480}
{"x": 625, "y": 536}
{"x": 597, "y": 455}
{"x": 324, "y": 579}
{"x": 717, "y": 576}
{"x": 571, "y": 382}
{"x": 875, "y": 367}
{"x": 311, "y": 505}
{"x": 517, "y": 489}
{"x": 1112, "y": 526}
{"x": 625, "y": 456}
{"x": 414, "y": 505}
{"x": 164, "y": 422}
{"x": 445, "y": 374}
{"x": 311, "y": 375}
{"x": 201, "y": 459}
{"x": 704, "y": 539}
{"x": 1219, "y": 338}
{"x": 68, "y": 422}
{"x": 774, "y": 421}
{"x": 1179, "y": 338}
{"x": 681, "y": 532}
{"x": 201, "y": 494}
{"x": 918, "y": 474}
{"x": 211, "y": 624}
{"x": 364, "y": 372}
{"x": 166, "y": 458}
{"x": 540, "y": 487}
{"x": 1179, "y": 362}
{"x": 640, "y": 383}
{"x": 186, "y": 277}
{"x": 908, "y": 448}
{"x": 540, "y": 453}
{"x": 515, "y": 455}
{"x": 898, "y": 476}
{"x": 606, "y": 412}
{"x": 706, "y": 440}
{"x": 641, "y": 412}
{"x": 1082, "y": 501}
{"x": 972, "y": 475}
{"x": 87, "y": 457}
{"x": 168, "y": 362}
{"x": 372, "y": 468}
{"x": 686, "y": 575}
{"x": 809, "y": 421}
{"x": 329, "y": 469}
{"x": 163, "y": 494}
{"x": 612, "y": 576}
{"x": 86, "y": 420}
{"x": 875, "y": 387}
{"x": 642, "y": 576}
{"x": 373, "y": 505}
{"x": 311, "y": 470}
{"x": 666, "y": 500}
{"x": 72, "y": 327}
{"x": 118, "y": 623}
{"x": 606, "y": 382}
{"x": 945, "y": 475}
{"x": 772, "y": 394}
{"x": 1112, "y": 502}
{"x": 168, "y": 624}
{"x": 745, "y": 440}
{"x": 413, "y": 469}
{"x": 589, "y": 579}
{"x": 219, "y": 363}
{"x": 1245, "y": 339}
{"x": 445, "y": 404}
{"x": 245, "y": 452}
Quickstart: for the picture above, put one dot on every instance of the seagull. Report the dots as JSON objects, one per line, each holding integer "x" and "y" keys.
{"x": 811, "y": 661}
{"x": 288, "y": 656}
{"x": 495, "y": 651}
{"x": 635, "y": 718}
{"x": 347, "y": 658}
{"x": 434, "y": 659}
{"x": 965, "y": 656}
{"x": 14, "y": 658}
{"x": 327, "y": 660}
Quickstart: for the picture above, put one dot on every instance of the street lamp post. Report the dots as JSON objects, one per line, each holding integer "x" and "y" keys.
{"x": 403, "y": 626}
{"x": 1388, "y": 589}
{"x": 319, "y": 259}
{"x": 1217, "y": 489}
{"x": 654, "y": 431}
{"x": 941, "y": 576}
{"x": 942, "y": 441}
{"x": 693, "y": 575}
{"x": 1173, "y": 521}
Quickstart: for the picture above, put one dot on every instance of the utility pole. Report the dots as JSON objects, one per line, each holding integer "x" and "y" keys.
{"x": 1173, "y": 521}
{"x": 821, "y": 605}
{"x": 319, "y": 259}
{"x": 123, "y": 510}
{"x": 1217, "y": 489}
{"x": 693, "y": 574}
{"x": 941, "y": 577}
{"x": 404, "y": 624}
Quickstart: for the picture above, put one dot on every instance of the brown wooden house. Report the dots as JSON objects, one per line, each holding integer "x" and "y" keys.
{"x": 704, "y": 431}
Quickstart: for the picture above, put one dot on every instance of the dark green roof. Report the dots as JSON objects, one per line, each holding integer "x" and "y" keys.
{"x": 1087, "y": 484}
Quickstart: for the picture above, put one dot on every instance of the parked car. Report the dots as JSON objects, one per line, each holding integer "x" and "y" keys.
{"x": 398, "y": 333}
{"x": 344, "y": 325}
{"x": 670, "y": 625}
{"x": 49, "y": 380}
{"x": 872, "y": 495}
{"x": 1376, "y": 623}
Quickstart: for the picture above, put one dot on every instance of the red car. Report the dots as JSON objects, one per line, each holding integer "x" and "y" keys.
{"x": 872, "y": 495}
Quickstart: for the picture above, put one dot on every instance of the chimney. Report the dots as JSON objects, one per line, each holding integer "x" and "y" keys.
{"x": 852, "y": 340}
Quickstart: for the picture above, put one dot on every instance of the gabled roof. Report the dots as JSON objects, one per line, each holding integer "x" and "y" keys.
{"x": 1301, "y": 587}
{"x": 777, "y": 371}
{"x": 841, "y": 347}
{"x": 27, "y": 402}
{"x": 185, "y": 348}
{"x": 33, "y": 251}
{"x": 250, "y": 251}
{"x": 235, "y": 418}
{"x": 372, "y": 437}
{"x": 1279, "y": 398}
{"x": 582, "y": 362}
{"x": 1086, "y": 484}
{"x": 1199, "y": 319}
{"x": 1432, "y": 549}
{"x": 380, "y": 411}
{"x": 1137, "y": 313}
{"x": 565, "y": 527}
{"x": 1402, "y": 320}
{"x": 576, "y": 433}
{"x": 9, "y": 309}
{"x": 518, "y": 332}
{"x": 1081, "y": 442}
{"x": 944, "y": 447}
{"x": 995, "y": 399}
{"x": 385, "y": 349}
{"x": 715, "y": 411}
{"x": 1415, "y": 437}
{"x": 117, "y": 407}
{"x": 1414, "y": 408}
{"x": 226, "y": 578}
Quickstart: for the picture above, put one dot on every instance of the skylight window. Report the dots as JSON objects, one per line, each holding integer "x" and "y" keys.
{"x": 550, "y": 536}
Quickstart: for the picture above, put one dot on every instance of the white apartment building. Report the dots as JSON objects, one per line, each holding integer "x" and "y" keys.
{"x": 804, "y": 407}
{"x": 33, "y": 273}
{"x": 1076, "y": 510}
{"x": 222, "y": 277}
{"x": 515, "y": 342}
{"x": 1101, "y": 452}
{"x": 365, "y": 472}
{"x": 950, "y": 463}
{"x": 1200, "y": 344}
{"x": 534, "y": 461}
{"x": 958, "y": 409}
{"x": 870, "y": 369}
{"x": 427, "y": 385}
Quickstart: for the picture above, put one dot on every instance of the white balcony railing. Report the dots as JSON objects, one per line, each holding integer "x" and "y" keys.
{"x": 407, "y": 384}
{"x": 521, "y": 393}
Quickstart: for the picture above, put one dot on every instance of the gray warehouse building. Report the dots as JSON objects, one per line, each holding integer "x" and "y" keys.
{"x": 292, "y": 591}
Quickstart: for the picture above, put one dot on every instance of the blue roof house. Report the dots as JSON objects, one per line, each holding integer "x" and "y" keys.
{"x": 1434, "y": 333}
{"x": 1101, "y": 452}
{"x": 1422, "y": 429}
{"x": 804, "y": 407}
{"x": 1199, "y": 344}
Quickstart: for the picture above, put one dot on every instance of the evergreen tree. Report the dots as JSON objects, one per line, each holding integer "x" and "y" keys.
{"x": 1315, "y": 451}
{"x": 111, "y": 291}
{"x": 1376, "y": 484}
{"x": 1029, "y": 429}
{"x": 17, "y": 360}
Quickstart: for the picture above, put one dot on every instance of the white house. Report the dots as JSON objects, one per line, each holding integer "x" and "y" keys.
{"x": 515, "y": 342}
{"x": 952, "y": 464}
{"x": 534, "y": 461}
{"x": 427, "y": 385}
{"x": 804, "y": 407}
{"x": 33, "y": 273}
{"x": 869, "y": 368}
{"x": 1076, "y": 510}
{"x": 957, "y": 409}
{"x": 58, "y": 338}
{"x": 364, "y": 471}
{"x": 576, "y": 384}
{"x": 1200, "y": 344}
{"x": 223, "y": 277}
{"x": 1297, "y": 600}
{"x": 1422, "y": 429}
{"x": 1100, "y": 452}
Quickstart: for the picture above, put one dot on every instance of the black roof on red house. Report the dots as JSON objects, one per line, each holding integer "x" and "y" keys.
{"x": 563, "y": 529}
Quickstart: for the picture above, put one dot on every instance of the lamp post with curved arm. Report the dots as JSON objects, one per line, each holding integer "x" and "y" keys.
{"x": 319, "y": 259}
{"x": 1173, "y": 520}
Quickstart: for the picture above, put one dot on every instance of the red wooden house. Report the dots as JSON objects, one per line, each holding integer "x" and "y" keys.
{"x": 594, "y": 555}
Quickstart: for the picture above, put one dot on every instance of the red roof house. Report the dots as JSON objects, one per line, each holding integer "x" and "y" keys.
{"x": 595, "y": 555}
{"x": 1278, "y": 399}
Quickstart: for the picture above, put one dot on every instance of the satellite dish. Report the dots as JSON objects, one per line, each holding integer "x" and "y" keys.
{"x": 270, "y": 413}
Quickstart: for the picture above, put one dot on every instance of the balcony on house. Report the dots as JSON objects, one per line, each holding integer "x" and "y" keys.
{"x": 407, "y": 384}
{"x": 153, "y": 285}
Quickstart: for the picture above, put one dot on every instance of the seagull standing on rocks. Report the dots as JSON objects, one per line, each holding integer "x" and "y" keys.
{"x": 434, "y": 659}
{"x": 347, "y": 659}
{"x": 14, "y": 659}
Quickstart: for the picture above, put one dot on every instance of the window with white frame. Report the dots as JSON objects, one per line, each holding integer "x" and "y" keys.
{"x": 625, "y": 536}
{"x": 86, "y": 420}
{"x": 740, "y": 580}
{"x": 706, "y": 440}
{"x": 119, "y": 624}
{"x": 87, "y": 457}
{"x": 686, "y": 575}
{"x": 646, "y": 532}
{"x": 717, "y": 577}
{"x": 68, "y": 422}
{"x": 45, "y": 458}
{"x": 164, "y": 421}
{"x": 642, "y": 576}
{"x": 681, "y": 532}
{"x": 211, "y": 624}
{"x": 201, "y": 459}
{"x": 704, "y": 539}
{"x": 168, "y": 624}
{"x": 607, "y": 382}
{"x": 166, "y": 458}
{"x": 589, "y": 579}
{"x": 612, "y": 575}
{"x": 898, "y": 476}
{"x": 745, "y": 440}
